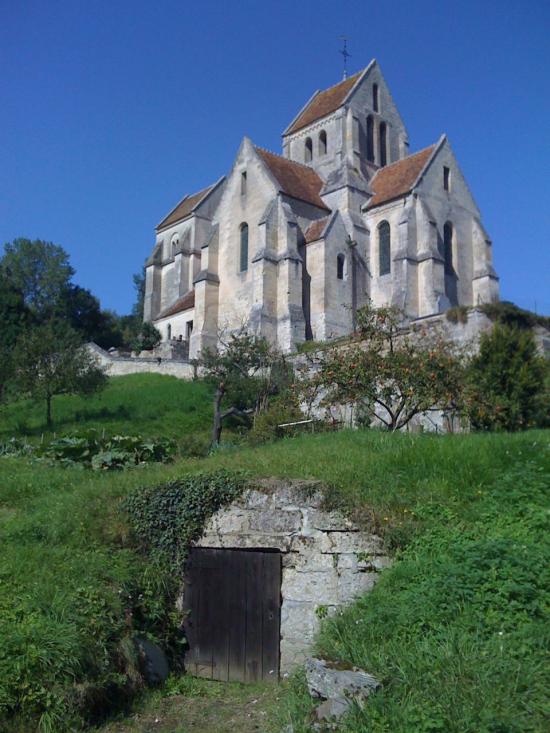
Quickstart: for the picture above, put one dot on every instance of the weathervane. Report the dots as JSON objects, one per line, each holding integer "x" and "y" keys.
{"x": 346, "y": 55}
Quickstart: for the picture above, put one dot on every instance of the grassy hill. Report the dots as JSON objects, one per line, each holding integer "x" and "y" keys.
{"x": 149, "y": 404}
{"x": 456, "y": 629}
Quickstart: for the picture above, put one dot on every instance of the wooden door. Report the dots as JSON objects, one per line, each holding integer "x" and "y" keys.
{"x": 232, "y": 604}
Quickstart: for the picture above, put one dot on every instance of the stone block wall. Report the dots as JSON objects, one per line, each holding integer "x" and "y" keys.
{"x": 327, "y": 561}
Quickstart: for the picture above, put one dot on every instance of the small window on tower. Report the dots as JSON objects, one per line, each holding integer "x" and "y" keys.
{"x": 308, "y": 151}
{"x": 375, "y": 97}
{"x": 370, "y": 138}
{"x": 340, "y": 267}
{"x": 243, "y": 253}
{"x": 322, "y": 143}
{"x": 243, "y": 183}
{"x": 446, "y": 178}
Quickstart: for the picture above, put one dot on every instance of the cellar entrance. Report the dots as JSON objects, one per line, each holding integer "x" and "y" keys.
{"x": 233, "y": 603}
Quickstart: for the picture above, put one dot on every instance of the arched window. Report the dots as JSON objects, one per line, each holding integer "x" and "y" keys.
{"x": 383, "y": 151}
{"x": 340, "y": 266}
{"x": 322, "y": 143}
{"x": 169, "y": 331}
{"x": 448, "y": 248}
{"x": 308, "y": 151}
{"x": 370, "y": 139}
{"x": 375, "y": 97}
{"x": 384, "y": 249}
{"x": 244, "y": 248}
{"x": 175, "y": 242}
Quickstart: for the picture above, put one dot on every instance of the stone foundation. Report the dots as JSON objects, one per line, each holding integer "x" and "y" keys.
{"x": 326, "y": 560}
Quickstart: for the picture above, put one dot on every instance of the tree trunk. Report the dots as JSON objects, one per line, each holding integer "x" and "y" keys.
{"x": 49, "y": 410}
{"x": 217, "y": 424}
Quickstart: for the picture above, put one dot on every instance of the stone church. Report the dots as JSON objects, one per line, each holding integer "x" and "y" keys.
{"x": 291, "y": 245}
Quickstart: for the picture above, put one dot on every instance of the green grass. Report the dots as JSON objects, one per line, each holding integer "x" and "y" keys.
{"x": 456, "y": 629}
{"x": 148, "y": 404}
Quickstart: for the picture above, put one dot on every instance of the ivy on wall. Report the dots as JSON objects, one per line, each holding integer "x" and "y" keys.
{"x": 166, "y": 519}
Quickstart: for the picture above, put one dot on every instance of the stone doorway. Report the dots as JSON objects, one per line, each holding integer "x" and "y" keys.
{"x": 325, "y": 561}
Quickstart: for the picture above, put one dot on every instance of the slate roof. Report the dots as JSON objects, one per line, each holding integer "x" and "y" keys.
{"x": 398, "y": 178}
{"x": 295, "y": 180}
{"x": 323, "y": 103}
{"x": 315, "y": 229}
{"x": 185, "y": 207}
{"x": 184, "y": 303}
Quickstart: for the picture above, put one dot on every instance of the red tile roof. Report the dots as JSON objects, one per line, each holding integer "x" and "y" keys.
{"x": 295, "y": 180}
{"x": 398, "y": 178}
{"x": 315, "y": 229}
{"x": 184, "y": 303}
{"x": 323, "y": 103}
{"x": 185, "y": 207}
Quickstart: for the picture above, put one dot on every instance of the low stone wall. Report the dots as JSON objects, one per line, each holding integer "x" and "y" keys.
{"x": 116, "y": 366}
{"x": 326, "y": 560}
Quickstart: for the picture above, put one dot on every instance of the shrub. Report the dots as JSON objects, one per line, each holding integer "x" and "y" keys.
{"x": 506, "y": 381}
{"x": 91, "y": 450}
{"x": 266, "y": 424}
{"x": 457, "y": 314}
{"x": 510, "y": 314}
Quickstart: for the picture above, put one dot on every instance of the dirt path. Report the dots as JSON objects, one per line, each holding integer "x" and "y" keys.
{"x": 202, "y": 707}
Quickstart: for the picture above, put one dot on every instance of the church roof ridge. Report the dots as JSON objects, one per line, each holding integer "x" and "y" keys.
{"x": 187, "y": 205}
{"x": 278, "y": 155}
{"x": 325, "y": 101}
{"x": 400, "y": 177}
{"x": 294, "y": 179}
{"x": 183, "y": 303}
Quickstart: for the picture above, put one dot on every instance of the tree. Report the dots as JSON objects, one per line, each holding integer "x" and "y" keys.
{"x": 50, "y": 360}
{"x": 39, "y": 270}
{"x": 146, "y": 338}
{"x": 139, "y": 286}
{"x": 14, "y": 317}
{"x": 506, "y": 381}
{"x": 242, "y": 373}
{"x": 392, "y": 374}
{"x": 82, "y": 311}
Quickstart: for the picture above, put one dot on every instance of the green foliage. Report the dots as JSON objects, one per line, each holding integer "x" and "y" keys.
{"x": 93, "y": 450}
{"x": 50, "y": 360}
{"x": 391, "y": 375}
{"x": 14, "y": 317}
{"x": 245, "y": 371}
{"x": 281, "y": 410}
{"x": 82, "y": 312}
{"x": 506, "y": 381}
{"x": 512, "y": 315}
{"x": 165, "y": 519}
{"x": 147, "y": 337}
{"x": 39, "y": 270}
{"x": 457, "y": 314}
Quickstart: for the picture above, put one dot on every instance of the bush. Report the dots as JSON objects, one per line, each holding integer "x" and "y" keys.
{"x": 266, "y": 424}
{"x": 506, "y": 379}
{"x": 510, "y": 314}
{"x": 91, "y": 450}
{"x": 457, "y": 314}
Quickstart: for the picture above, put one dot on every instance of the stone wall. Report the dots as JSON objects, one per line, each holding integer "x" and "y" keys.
{"x": 117, "y": 366}
{"x": 326, "y": 560}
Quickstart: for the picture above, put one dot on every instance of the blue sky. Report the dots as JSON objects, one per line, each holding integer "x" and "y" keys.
{"x": 112, "y": 111}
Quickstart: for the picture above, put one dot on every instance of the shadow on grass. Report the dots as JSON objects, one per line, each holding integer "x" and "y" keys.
{"x": 100, "y": 415}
